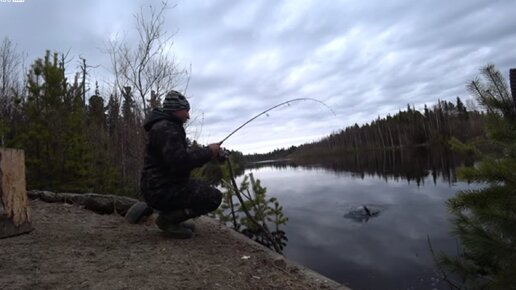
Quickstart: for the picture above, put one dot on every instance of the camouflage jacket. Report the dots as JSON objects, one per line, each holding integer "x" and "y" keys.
{"x": 168, "y": 161}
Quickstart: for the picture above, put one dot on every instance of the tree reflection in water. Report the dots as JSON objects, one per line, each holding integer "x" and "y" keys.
{"x": 411, "y": 164}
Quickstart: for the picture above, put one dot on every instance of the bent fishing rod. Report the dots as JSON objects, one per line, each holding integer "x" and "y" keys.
{"x": 272, "y": 108}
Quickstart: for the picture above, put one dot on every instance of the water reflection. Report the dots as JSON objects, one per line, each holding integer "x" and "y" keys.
{"x": 411, "y": 165}
{"x": 330, "y": 231}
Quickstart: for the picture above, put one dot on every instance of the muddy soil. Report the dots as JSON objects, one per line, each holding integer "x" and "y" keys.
{"x": 73, "y": 248}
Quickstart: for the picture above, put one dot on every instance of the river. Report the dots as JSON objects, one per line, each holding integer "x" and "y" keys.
{"x": 330, "y": 232}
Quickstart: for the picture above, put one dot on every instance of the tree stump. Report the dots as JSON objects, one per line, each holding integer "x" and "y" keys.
{"x": 512, "y": 81}
{"x": 15, "y": 214}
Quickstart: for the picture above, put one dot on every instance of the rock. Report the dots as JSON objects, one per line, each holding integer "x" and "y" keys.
{"x": 74, "y": 198}
{"x": 122, "y": 204}
{"x": 103, "y": 204}
{"x": 33, "y": 194}
{"x": 280, "y": 262}
{"x": 99, "y": 203}
{"x": 138, "y": 212}
{"x": 49, "y": 196}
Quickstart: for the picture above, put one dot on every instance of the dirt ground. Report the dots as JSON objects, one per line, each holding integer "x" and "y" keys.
{"x": 73, "y": 248}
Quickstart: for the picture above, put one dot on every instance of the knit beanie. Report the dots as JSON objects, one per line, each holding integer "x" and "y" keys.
{"x": 175, "y": 101}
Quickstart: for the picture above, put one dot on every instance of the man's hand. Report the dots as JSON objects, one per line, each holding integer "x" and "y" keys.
{"x": 223, "y": 155}
{"x": 215, "y": 149}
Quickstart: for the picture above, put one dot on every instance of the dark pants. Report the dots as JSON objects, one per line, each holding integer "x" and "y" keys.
{"x": 197, "y": 197}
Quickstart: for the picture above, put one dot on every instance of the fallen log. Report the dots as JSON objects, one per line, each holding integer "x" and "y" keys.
{"x": 99, "y": 203}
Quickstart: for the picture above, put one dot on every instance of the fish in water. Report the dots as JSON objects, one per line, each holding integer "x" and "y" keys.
{"x": 367, "y": 211}
{"x": 363, "y": 213}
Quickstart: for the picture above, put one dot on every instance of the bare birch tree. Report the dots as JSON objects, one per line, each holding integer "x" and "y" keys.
{"x": 11, "y": 88}
{"x": 10, "y": 65}
{"x": 149, "y": 67}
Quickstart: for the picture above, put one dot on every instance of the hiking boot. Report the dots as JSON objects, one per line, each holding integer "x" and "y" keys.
{"x": 138, "y": 212}
{"x": 177, "y": 231}
{"x": 189, "y": 224}
{"x": 174, "y": 216}
{"x": 170, "y": 226}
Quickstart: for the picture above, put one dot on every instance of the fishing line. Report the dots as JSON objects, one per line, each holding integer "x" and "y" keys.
{"x": 272, "y": 108}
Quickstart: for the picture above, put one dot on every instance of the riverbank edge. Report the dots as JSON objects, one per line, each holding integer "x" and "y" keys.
{"x": 112, "y": 204}
{"x": 278, "y": 259}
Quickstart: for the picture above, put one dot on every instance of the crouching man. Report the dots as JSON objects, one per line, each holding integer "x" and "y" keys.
{"x": 165, "y": 181}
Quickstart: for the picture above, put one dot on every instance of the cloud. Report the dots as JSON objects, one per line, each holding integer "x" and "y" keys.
{"x": 364, "y": 59}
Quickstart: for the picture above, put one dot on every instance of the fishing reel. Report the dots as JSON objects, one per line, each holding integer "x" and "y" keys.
{"x": 223, "y": 155}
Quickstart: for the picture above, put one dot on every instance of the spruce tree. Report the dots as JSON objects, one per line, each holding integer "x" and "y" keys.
{"x": 485, "y": 219}
{"x": 52, "y": 131}
{"x": 106, "y": 175}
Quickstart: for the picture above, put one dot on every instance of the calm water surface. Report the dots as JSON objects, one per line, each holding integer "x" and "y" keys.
{"x": 387, "y": 251}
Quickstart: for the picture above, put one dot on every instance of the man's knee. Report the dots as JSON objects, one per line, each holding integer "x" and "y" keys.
{"x": 215, "y": 198}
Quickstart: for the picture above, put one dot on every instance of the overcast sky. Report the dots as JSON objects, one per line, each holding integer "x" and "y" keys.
{"x": 364, "y": 59}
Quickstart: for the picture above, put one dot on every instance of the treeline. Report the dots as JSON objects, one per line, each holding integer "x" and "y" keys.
{"x": 72, "y": 144}
{"x": 276, "y": 154}
{"x": 409, "y": 128}
{"x": 409, "y": 164}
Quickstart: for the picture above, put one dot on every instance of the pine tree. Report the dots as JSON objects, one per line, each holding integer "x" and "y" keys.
{"x": 461, "y": 109}
{"x": 485, "y": 219}
{"x": 106, "y": 175}
{"x": 52, "y": 131}
{"x": 132, "y": 141}
{"x": 77, "y": 170}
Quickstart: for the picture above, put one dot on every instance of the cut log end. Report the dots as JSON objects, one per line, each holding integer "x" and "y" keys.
{"x": 9, "y": 229}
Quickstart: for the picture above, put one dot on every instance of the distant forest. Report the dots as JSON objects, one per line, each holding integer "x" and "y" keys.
{"x": 408, "y": 128}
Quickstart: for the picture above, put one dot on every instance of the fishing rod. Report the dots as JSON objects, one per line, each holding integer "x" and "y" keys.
{"x": 272, "y": 108}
